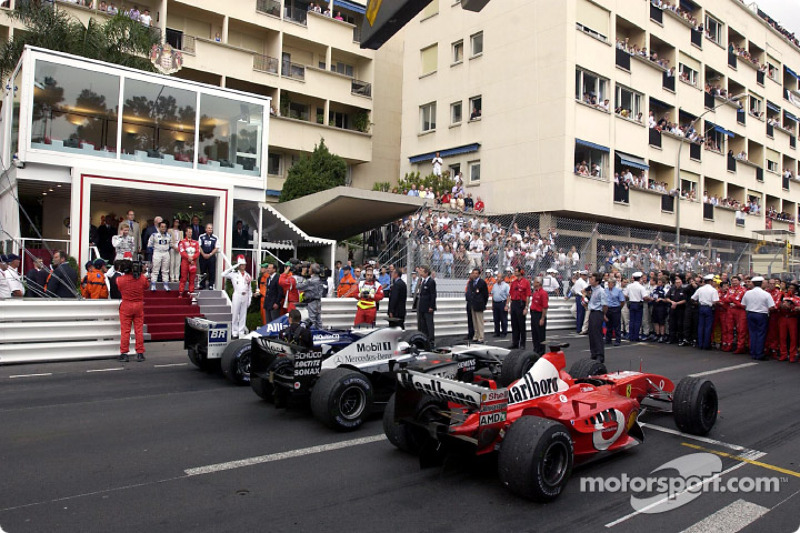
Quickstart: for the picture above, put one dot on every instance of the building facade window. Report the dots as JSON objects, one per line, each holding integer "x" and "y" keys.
{"x": 455, "y": 113}
{"x": 274, "y": 164}
{"x": 427, "y": 117}
{"x": 687, "y": 74}
{"x": 458, "y": 51}
{"x": 343, "y": 68}
{"x": 476, "y": 43}
{"x": 755, "y": 106}
{"x": 590, "y": 162}
{"x": 474, "y": 171}
{"x": 627, "y": 103}
{"x": 589, "y": 87}
{"x": 429, "y": 58}
{"x": 714, "y": 29}
{"x": 475, "y": 107}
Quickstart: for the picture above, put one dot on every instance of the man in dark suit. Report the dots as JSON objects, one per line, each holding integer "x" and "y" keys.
{"x": 397, "y": 299}
{"x": 427, "y": 303}
{"x": 104, "y": 235}
{"x": 274, "y": 295}
{"x": 197, "y": 228}
{"x": 63, "y": 280}
{"x": 241, "y": 238}
{"x": 477, "y": 296}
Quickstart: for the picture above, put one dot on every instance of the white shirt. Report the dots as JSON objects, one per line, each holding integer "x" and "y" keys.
{"x": 5, "y": 286}
{"x": 14, "y": 281}
{"x": 757, "y": 300}
{"x": 579, "y": 286}
{"x": 437, "y": 165}
{"x": 708, "y": 295}
{"x": 636, "y": 292}
{"x": 549, "y": 284}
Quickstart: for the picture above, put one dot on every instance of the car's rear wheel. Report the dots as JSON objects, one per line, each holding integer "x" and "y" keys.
{"x": 417, "y": 339}
{"x": 407, "y": 437}
{"x": 536, "y": 458}
{"x": 586, "y": 368}
{"x": 342, "y": 399}
{"x": 515, "y": 365}
{"x": 236, "y": 361}
{"x": 262, "y": 387}
{"x": 694, "y": 405}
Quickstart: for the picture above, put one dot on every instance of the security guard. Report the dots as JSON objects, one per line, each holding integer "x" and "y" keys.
{"x": 707, "y": 296}
{"x": 758, "y": 303}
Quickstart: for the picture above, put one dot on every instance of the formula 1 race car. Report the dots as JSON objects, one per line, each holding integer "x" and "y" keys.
{"x": 209, "y": 344}
{"x": 345, "y": 387}
{"x": 543, "y": 423}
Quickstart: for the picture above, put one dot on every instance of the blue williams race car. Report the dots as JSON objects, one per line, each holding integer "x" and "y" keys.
{"x": 209, "y": 344}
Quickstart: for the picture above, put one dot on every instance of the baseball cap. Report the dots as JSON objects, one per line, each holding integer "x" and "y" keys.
{"x": 12, "y": 257}
{"x": 99, "y": 263}
{"x": 265, "y": 264}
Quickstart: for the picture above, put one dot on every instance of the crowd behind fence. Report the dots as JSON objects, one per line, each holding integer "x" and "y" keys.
{"x": 454, "y": 242}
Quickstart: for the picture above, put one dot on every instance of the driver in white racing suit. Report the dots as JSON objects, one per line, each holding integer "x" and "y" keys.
{"x": 242, "y": 294}
{"x": 159, "y": 244}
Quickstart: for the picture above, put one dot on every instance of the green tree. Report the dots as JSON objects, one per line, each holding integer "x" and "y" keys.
{"x": 118, "y": 40}
{"x": 319, "y": 171}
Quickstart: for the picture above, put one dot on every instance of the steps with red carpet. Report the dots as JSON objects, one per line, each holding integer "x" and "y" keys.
{"x": 164, "y": 314}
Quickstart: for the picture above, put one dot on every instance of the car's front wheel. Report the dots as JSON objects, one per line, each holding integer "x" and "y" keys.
{"x": 694, "y": 405}
{"x": 342, "y": 399}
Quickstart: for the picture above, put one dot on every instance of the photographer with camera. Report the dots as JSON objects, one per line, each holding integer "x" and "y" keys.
{"x": 369, "y": 293}
{"x": 314, "y": 287}
{"x": 131, "y": 285}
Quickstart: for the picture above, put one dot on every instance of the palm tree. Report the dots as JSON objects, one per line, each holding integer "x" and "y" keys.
{"x": 118, "y": 40}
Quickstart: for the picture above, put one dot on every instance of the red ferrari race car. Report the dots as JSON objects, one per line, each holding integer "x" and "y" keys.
{"x": 544, "y": 423}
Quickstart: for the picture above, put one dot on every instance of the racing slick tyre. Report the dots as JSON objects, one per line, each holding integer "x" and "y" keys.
{"x": 515, "y": 365}
{"x": 342, "y": 399}
{"x": 407, "y": 437}
{"x": 694, "y": 405}
{"x": 197, "y": 360}
{"x": 236, "y": 361}
{"x": 417, "y": 339}
{"x": 536, "y": 458}
{"x": 587, "y": 367}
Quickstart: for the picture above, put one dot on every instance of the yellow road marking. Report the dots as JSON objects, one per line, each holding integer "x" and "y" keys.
{"x": 744, "y": 460}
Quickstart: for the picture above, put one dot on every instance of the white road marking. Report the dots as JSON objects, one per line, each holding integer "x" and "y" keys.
{"x": 106, "y": 369}
{"x": 707, "y": 440}
{"x": 220, "y": 467}
{"x": 170, "y": 364}
{"x": 729, "y": 519}
{"x": 724, "y": 369}
{"x": 28, "y": 376}
{"x": 693, "y": 487}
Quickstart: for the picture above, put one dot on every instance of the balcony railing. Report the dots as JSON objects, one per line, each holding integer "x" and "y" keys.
{"x": 269, "y": 7}
{"x": 733, "y": 60}
{"x": 655, "y": 137}
{"x": 361, "y": 87}
{"x": 264, "y": 63}
{"x": 656, "y": 15}
{"x": 708, "y": 211}
{"x": 770, "y": 130}
{"x": 760, "y": 77}
{"x": 709, "y": 101}
{"x": 697, "y": 38}
{"x": 741, "y": 116}
{"x": 295, "y": 14}
{"x": 760, "y": 174}
{"x": 731, "y": 163}
{"x": 695, "y": 152}
{"x": 792, "y": 141}
{"x": 668, "y": 82}
{"x": 294, "y": 71}
{"x": 356, "y": 34}
{"x": 623, "y": 59}
{"x": 668, "y": 203}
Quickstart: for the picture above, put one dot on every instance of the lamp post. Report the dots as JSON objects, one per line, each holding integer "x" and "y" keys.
{"x": 678, "y": 170}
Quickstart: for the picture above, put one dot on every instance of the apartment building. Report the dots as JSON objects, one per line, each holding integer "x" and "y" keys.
{"x": 515, "y": 96}
{"x": 322, "y": 84}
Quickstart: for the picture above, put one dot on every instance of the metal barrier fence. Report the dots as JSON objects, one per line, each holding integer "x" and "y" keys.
{"x": 454, "y": 242}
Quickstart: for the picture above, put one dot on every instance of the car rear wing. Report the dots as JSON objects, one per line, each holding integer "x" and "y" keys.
{"x": 205, "y": 336}
{"x": 491, "y": 403}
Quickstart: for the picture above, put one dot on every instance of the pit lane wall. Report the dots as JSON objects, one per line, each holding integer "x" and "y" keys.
{"x": 33, "y": 330}
{"x": 450, "y": 317}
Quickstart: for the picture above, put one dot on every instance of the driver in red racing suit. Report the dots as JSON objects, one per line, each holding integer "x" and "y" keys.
{"x": 369, "y": 292}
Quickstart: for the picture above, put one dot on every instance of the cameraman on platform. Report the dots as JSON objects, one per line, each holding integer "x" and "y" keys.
{"x": 315, "y": 287}
{"x": 131, "y": 285}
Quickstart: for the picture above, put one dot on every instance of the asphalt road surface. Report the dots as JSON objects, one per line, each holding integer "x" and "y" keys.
{"x": 101, "y": 446}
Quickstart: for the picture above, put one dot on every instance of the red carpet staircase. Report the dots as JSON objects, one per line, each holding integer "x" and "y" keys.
{"x": 164, "y": 314}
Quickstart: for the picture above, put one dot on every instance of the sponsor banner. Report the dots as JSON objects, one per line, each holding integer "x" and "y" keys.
{"x": 541, "y": 380}
{"x": 307, "y": 364}
{"x": 443, "y": 389}
{"x": 217, "y": 339}
{"x": 489, "y": 419}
